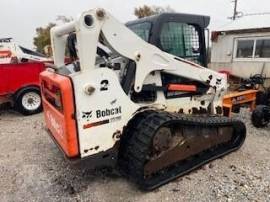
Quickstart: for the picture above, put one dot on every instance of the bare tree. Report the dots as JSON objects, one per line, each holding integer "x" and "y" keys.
{"x": 144, "y": 11}
{"x": 64, "y": 19}
{"x": 42, "y": 38}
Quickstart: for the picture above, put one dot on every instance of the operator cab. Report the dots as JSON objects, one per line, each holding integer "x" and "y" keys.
{"x": 182, "y": 35}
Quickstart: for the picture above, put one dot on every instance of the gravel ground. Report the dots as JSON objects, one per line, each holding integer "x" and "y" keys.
{"x": 33, "y": 169}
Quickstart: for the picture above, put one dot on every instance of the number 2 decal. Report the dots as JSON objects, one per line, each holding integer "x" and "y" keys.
{"x": 104, "y": 85}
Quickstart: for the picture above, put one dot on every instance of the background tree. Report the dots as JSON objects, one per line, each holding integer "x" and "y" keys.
{"x": 64, "y": 19}
{"x": 144, "y": 11}
{"x": 43, "y": 38}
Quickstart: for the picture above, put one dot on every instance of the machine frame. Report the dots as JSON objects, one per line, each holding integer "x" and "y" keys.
{"x": 100, "y": 108}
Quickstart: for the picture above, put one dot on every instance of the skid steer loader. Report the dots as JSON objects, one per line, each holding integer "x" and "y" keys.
{"x": 160, "y": 115}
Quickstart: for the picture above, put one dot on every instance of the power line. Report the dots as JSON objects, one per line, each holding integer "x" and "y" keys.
{"x": 262, "y": 13}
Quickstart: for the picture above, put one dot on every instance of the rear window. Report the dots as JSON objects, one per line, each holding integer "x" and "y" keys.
{"x": 181, "y": 40}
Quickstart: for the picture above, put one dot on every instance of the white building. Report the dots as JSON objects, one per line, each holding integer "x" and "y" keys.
{"x": 242, "y": 47}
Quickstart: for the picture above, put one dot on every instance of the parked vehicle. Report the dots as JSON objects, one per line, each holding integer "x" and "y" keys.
{"x": 11, "y": 52}
{"x": 157, "y": 115}
{"x": 20, "y": 86}
{"x": 19, "y": 76}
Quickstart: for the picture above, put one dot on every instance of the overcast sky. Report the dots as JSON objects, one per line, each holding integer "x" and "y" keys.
{"x": 19, "y": 18}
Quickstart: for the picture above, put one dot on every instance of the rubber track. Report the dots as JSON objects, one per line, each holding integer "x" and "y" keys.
{"x": 137, "y": 141}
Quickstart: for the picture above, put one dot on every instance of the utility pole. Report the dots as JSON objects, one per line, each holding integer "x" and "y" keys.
{"x": 235, "y": 13}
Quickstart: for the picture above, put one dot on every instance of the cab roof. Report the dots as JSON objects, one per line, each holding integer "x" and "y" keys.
{"x": 201, "y": 20}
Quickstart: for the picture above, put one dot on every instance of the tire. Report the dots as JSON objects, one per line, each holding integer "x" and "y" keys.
{"x": 258, "y": 117}
{"x": 261, "y": 98}
{"x": 28, "y": 101}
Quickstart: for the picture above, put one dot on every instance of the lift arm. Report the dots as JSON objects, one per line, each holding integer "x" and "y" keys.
{"x": 96, "y": 24}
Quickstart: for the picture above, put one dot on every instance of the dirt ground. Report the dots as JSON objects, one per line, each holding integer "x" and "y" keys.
{"x": 33, "y": 169}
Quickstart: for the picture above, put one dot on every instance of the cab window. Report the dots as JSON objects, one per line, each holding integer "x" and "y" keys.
{"x": 181, "y": 40}
{"x": 142, "y": 30}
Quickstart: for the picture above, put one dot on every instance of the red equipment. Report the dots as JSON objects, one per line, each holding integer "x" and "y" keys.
{"x": 19, "y": 84}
